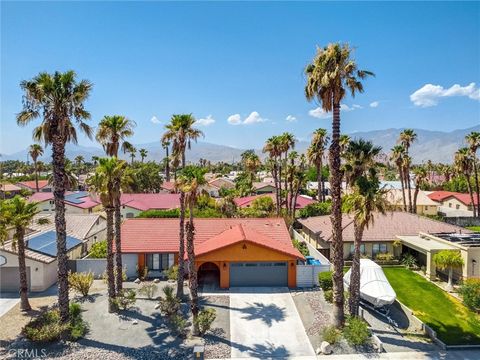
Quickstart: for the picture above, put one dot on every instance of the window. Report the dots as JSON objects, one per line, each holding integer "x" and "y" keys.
{"x": 129, "y": 215}
{"x": 362, "y": 249}
{"x": 457, "y": 207}
{"x": 379, "y": 249}
{"x": 157, "y": 262}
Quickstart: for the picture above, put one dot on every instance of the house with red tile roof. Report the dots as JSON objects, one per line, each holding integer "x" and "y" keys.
{"x": 246, "y": 201}
{"x": 8, "y": 191}
{"x": 43, "y": 185}
{"x": 134, "y": 204}
{"x": 76, "y": 202}
{"x": 454, "y": 202}
{"x": 240, "y": 252}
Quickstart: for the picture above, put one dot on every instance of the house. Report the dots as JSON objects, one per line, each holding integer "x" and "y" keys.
{"x": 8, "y": 191}
{"x": 378, "y": 238}
{"x": 134, "y": 204}
{"x": 43, "y": 186}
{"x": 214, "y": 186}
{"x": 454, "y": 204}
{"x": 246, "y": 201}
{"x": 76, "y": 202}
{"x": 263, "y": 187}
{"x": 425, "y": 205}
{"x": 41, "y": 249}
{"x": 168, "y": 187}
{"x": 240, "y": 252}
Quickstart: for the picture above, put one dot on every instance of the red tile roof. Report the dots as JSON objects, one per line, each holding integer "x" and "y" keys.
{"x": 439, "y": 196}
{"x": 384, "y": 228}
{"x": 87, "y": 202}
{"x": 246, "y": 201}
{"x": 161, "y": 235}
{"x": 151, "y": 201}
{"x": 168, "y": 185}
{"x": 465, "y": 198}
{"x": 31, "y": 184}
{"x": 462, "y": 197}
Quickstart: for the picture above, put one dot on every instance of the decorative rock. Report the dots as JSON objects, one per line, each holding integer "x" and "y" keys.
{"x": 318, "y": 351}
{"x": 135, "y": 322}
{"x": 325, "y": 348}
{"x": 137, "y": 281}
{"x": 157, "y": 306}
{"x": 156, "y": 281}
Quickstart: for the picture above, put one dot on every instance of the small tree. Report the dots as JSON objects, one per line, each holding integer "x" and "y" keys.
{"x": 448, "y": 259}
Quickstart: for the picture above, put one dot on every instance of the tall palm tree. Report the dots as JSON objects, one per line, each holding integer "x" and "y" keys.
{"x": 273, "y": 146}
{"x": 315, "y": 154}
{"x": 131, "y": 150}
{"x": 143, "y": 154}
{"x": 112, "y": 133}
{"x": 463, "y": 163}
{"x": 473, "y": 141}
{"x": 331, "y": 74}
{"x": 35, "y": 152}
{"x": 397, "y": 156}
{"x": 360, "y": 155}
{"x": 420, "y": 173}
{"x": 59, "y": 98}
{"x": 344, "y": 142}
{"x": 17, "y": 213}
{"x": 189, "y": 180}
{"x": 406, "y": 138}
{"x": 166, "y": 146}
{"x": 366, "y": 199}
{"x": 251, "y": 162}
{"x": 181, "y": 132}
{"x": 104, "y": 183}
{"x": 79, "y": 160}
{"x": 287, "y": 141}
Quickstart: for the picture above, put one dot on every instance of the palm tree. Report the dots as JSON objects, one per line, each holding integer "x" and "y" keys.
{"x": 315, "y": 154}
{"x": 190, "y": 179}
{"x": 105, "y": 184}
{"x": 35, "y": 151}
{"x": 166, "y": 146}
{"x": 331, "y": 74}
{"x": 143, "y": 154}
{"x": 129, "y": 148}
{"x": 448, "y": 259}
{"x": 473, "y": 141}
{"x": 180, "y": 132}
{"x": 79, "y": 160}
{"x": 17, "y": 213}
{"x": 397, "y": 155}
{"x": 464, "y": 165}
{"x": 251, "y": 162}
{"x": 366, "y": 199}
{"x": 287, "y": 141}
{"x": 420, "y": 180}
{"x": 95, "y": 160}
{"x": 273, "y": 146}
{"x": 406, "y": 139}
{"x": 59, "y": 98}
{"x": 112, "y": 134}
{"x": 344, "y": 142}
{"x": 360, "y": 156}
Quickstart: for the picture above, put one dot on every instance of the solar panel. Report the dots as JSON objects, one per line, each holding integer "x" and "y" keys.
{"x": 75, "y": 198}
{"x": 46, "y": 243}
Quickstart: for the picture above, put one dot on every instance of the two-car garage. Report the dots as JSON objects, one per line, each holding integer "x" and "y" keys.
{"x": 258, "y": 274}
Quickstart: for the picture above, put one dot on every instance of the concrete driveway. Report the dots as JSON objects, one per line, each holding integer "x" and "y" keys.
{"x": 264, "y": 323}
{"x": 7, "y": 301}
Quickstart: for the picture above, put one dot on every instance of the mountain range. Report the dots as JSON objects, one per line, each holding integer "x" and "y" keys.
{"x": 437, "y": 146}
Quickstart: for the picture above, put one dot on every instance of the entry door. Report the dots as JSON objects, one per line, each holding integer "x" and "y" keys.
{"x": 258, "y": 274}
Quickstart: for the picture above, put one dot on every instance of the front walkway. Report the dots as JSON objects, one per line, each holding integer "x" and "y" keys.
{"x": 264, "y": 323}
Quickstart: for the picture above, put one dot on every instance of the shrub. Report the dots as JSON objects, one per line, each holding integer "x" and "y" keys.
{"x": 105, "y": 276}
{"x": 149, "y": 290}
{"x": 470, "y": 291}
{"x": 43, "y": 221}
{"x": 172, "y": 213}
{"x": 384, "y": 257}
{"x": 80, "y": 282}
{"x": 331, "y": 334}
{"x": 178, "y": 324}
{"x": 78, "y": 327}
{"x": 301, "y": 246}
{"x": 205, "y": 320}
{"x": 409, "y": 261}
{"x": 172, "y": 272}
{"x": 328, "y": 295}
{"x": 356, "y": 331}
{"x": 125, "y": 299}
{"x": 98, "y": 250}
{"x": 169, "y": 305}
{"x": 316, "y": 209}
{"x": 325, "y": 280}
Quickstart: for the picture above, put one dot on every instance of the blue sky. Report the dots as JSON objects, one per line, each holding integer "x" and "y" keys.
{"x": 244, "y": 62}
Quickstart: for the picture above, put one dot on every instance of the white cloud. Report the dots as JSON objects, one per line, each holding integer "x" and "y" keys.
{"x": 291, "y": 118}
{"x": 374, "y": 104}
{"x": 356, "y": 106}
{"x": 209, "y": 120}
{"x": 319, "y": 113}
{"x": 234, "y": 119}
{"x": 430, "y": 94}
{"x": 345, "y": 107}
{"x": 253, "y": 118}
{"x": 155, "y": 120}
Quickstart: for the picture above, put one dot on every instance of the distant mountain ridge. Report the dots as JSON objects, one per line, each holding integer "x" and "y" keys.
{"x": 437, "y": 146}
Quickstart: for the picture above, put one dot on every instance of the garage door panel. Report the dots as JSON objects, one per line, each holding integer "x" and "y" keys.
{"x": 259, "y": 274}
{"x": 10, "y": 279}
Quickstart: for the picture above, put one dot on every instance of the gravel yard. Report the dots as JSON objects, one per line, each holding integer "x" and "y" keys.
{"x": 217, "y": 341}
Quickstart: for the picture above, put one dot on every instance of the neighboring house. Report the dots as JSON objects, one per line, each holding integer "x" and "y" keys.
{"x": 313, "y": 186}
{"x": 425, "y": 205}
{"x": 246, "y": 201}
{"x": 222, "y": 182}
{"x": 41, "y": 249}
{"x": 76, "y": 202}
{"x": 134, "y": 204}
{"x": 378, "y": 238}
{"x": 8, "y": 191}
{"x": 454, "y": 203}
{"x": 263, "y": 187}
{"x": 43, "y": 186}
{"x": 239, "y": 252}
{"x": 168, "y": 187}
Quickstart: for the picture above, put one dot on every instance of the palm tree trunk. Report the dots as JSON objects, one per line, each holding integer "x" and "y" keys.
{"x": 36, "y": 175}
{"x": 400, "y": 173}
{"x": 450, "y": 279}
{"x": 336, "y": 219}
{"x": 477, "y": 184}
{"x": 354, "y": 299}
{"x": 192, "y": 272}
{"x": 280, "y": 198}
{"x": 167, "y": 165}
{"x": 319, "y": 182}
{"x": 285, "y": 182}
{"x": 118, "y": 246}
{"x": 58, "y": 162}
{"x": 181, "y": 247}
{"x": 470, "y": 191}
{"x": 275, "y": 180}
{"x": 24, "y": 304}
{"x": 415, "y": 196}
{"x": 409, "y": 189}
{"x": 110, "y": 273}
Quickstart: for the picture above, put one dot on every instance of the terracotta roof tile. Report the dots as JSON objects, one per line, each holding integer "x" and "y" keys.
{"x": 151, "y": 201}
{"x": 32, "y": 185}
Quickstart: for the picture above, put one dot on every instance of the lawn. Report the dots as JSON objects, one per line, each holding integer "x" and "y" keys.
{"x": 474, "y": 228}
{"x": 452, "y": 321}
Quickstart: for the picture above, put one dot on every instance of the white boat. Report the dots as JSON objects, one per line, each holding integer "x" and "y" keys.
{"x": 374, "y": 286}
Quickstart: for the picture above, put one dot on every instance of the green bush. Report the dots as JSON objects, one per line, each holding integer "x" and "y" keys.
{"x": 148, "y": 289}
{"x": 170, "y": 304}
{"x": 98, "y": 250}
{"x": 356, "y": 331}
{"x": 80, "y": 282}
{"x": 409, "y": 261}
{"x": 301, "y": 246}
{"x": 470, "y": 291}
{"x": 331, "y": 334}
{"x": 172, "y": 272}
{"x": 178, "y": 324}
{"x": 325, "y": 280}
{"x": 384, "y": 257}
{"x": 328, "y": 296}
{"x": 205, "y": 320}
{"x": 125, "y": 299}
{"x": 316, "y": 209}
{"x": 172, "y": 213}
